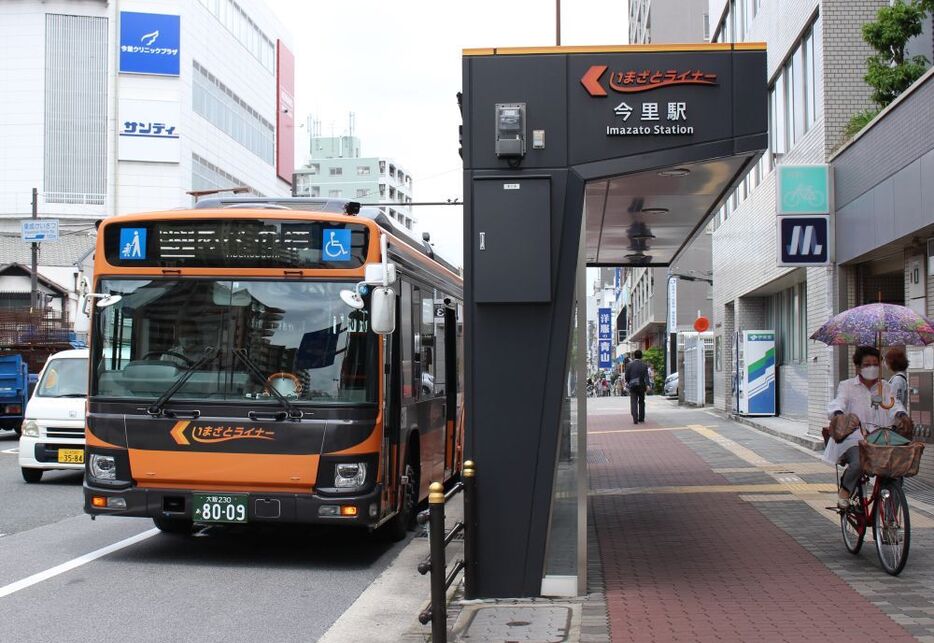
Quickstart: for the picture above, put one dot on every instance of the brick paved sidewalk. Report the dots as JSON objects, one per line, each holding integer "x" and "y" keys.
{"x": 685, "y": 558}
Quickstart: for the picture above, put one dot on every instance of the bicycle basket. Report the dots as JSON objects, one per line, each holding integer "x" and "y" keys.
{"x": 890, "y": 462}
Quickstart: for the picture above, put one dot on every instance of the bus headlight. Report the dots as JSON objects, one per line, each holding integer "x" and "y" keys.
{"x": 103, "y": 467}
{"x": 30, "y": 429}
{"x": 349, "y": 475}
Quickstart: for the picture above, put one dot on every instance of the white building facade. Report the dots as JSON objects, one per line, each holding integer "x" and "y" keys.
{"x": 337, "y": 170}
{"x": 816, "y": 64}
{"x": 125, "y": 106}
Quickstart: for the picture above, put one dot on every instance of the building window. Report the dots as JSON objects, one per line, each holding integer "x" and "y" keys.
{"x": 207, "y": 176}
{"x": 315, "y": 190}
{"x": 363, "y": 170}
{"x": 75, "y": 154}
{"x": 786, "y": 312}
{"x": 796, "y": 93}
{"x": 238, "y": 23}
{"x": 362, "y": 192}
{"x": 335, "y": 171}
{"x": 382, "y": 167}
{"x": 217, "y": 104}
{"x": 335, "y": 194}
{"x": 382, "y": 189}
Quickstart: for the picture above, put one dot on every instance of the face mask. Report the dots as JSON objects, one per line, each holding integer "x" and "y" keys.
{"x": 870, "y": 373}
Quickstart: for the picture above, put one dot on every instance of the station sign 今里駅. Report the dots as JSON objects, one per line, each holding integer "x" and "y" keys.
{"x": 638, "y": 107}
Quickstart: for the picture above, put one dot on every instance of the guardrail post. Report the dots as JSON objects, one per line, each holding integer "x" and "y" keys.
{"x": 439, "y": 617}
{"x": 470, "y": 525}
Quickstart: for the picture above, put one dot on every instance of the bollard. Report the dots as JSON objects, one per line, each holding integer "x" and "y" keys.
{"x": 439, "y": 617}
{"x": 470, "y": 525}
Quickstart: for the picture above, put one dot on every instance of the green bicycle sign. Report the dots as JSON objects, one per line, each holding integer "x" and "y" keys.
{"x": 803, "y": 189}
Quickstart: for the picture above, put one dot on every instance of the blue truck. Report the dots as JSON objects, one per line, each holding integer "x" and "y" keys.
{"x": 14, "y": 390}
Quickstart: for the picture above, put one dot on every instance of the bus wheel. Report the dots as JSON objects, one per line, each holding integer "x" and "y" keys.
{"x": 173, "y": 525}
{"x": 399, "y": 525}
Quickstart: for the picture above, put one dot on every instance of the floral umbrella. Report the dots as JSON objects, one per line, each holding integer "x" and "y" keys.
{"x": 877, "y": 325}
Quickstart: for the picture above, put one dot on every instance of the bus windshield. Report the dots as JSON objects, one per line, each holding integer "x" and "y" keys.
{"x": 298, "y": 335}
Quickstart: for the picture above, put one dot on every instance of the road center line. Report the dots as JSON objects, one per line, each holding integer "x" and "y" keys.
{"x": 74, "y": 563}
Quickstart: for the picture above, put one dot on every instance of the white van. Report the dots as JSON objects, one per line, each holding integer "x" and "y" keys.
{"x": 53, "y": 428}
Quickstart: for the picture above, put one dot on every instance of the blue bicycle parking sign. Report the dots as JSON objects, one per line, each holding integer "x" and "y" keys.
{"x": 335, "y": 245}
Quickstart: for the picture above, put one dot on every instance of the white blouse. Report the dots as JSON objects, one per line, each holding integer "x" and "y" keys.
{"x": 854, "y": 397}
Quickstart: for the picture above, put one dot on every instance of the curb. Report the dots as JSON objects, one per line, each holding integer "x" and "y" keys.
{"x": 813, "y": 444}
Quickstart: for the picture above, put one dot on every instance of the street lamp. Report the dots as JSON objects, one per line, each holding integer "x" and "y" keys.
{"x": 672, "y": 324}
{"x": 197, "y": 194}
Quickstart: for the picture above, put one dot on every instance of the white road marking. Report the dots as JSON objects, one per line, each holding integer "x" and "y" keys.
{"x": 13, "y": 451}
{"x": 29, "y": 581}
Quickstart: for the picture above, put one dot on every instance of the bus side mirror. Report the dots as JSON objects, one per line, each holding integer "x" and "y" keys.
{"x": 383, "y": 310}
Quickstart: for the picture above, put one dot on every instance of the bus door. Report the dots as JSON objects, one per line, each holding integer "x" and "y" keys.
{"x": 429, "y": 385}
{"x": 451, "y": 359}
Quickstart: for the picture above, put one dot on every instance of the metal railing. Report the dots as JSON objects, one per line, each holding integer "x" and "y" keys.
{"x": 438, "y": 540}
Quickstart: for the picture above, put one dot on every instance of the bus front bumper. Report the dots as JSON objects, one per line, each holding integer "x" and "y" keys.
{"x": 261, "y": 507}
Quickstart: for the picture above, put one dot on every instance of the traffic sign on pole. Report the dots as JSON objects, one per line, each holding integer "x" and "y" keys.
{"x": 35, "y": 230}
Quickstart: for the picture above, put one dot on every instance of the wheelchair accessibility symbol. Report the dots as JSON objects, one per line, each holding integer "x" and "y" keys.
{"x": 335, "y": 245}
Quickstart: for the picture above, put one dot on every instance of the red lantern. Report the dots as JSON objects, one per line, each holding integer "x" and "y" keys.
{"x": 701, "y": 324}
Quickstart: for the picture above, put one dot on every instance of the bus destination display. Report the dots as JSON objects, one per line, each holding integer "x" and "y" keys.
{"x": 237, "y": 243}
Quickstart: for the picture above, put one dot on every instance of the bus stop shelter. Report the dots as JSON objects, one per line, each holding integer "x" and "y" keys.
{"x": 575, "y": 157}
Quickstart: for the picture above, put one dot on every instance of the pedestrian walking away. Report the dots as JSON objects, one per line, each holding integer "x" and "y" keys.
{"x": 637, "y": 380}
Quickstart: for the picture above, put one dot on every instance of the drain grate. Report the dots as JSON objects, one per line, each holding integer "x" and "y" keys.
{"x": 596, "y": 455}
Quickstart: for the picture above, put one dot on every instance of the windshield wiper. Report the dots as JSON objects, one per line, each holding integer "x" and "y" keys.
{"x": 294, "y": 413}
{"x": 156, "y": 408}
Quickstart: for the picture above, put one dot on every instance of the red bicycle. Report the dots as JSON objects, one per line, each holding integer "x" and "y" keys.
{"x": 886, "y": 509}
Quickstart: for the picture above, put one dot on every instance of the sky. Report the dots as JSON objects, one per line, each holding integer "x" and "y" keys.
{"x": 397, "y": 67}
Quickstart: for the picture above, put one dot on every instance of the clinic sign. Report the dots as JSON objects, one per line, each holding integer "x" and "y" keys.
{"x": 149, "y": 43}
{"x": 149, "y": 131}
{"x": 605, "y": 337}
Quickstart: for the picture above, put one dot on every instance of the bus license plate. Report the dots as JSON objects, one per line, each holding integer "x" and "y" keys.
{"x": 71, "y": 456}
{"x": 219, "y": 507}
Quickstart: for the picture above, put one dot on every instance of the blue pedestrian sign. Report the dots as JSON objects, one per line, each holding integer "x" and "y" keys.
{"x": 133, "y": 243}
{"x": 149, "y": 43}
{"x": 804, "y": 241}
{"x": 335, "y": 245}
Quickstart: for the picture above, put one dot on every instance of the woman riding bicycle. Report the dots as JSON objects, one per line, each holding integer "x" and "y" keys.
{"x": 874, "y": 403}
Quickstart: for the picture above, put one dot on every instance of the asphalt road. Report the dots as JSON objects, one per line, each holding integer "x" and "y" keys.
{"x": 230, "y": 584}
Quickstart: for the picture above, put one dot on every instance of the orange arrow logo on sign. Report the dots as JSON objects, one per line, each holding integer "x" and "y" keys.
{"x": 591, "y": 80}
{"x": 178, "y": 432}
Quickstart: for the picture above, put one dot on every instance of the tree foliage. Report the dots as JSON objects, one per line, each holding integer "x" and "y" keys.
{"x": 655, "y": 357}
{"x": 890, "y": 71}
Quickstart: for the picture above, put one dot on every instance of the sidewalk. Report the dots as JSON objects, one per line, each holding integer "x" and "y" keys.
{"x": 700, "y": 529}
{"x": 710, "y": 531}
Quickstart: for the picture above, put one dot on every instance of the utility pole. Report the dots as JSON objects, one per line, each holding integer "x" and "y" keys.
{"x": 34, "y": 299}
{"x": 558, "y": 23}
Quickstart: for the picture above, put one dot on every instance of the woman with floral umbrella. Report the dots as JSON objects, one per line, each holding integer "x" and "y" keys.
{"x": 867, "y": 397}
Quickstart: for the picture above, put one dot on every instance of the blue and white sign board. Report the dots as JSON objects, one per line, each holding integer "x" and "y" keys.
{"x": 803, "y": 189}
{"x": 149, "y": 131}
{"x": 35, "y": 230}
{"x": 335, "y": 246}
{"x": 605, "y": 335}
{"x": 606, "y": 353}
{"x": 804, "y": 241}
{"x": 756, "y": 372}
{"x": 149, "y": 43}
{"x": 133, "y": 244}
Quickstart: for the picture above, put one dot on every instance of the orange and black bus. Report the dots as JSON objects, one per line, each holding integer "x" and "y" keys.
{"x": 235, "y": 375}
